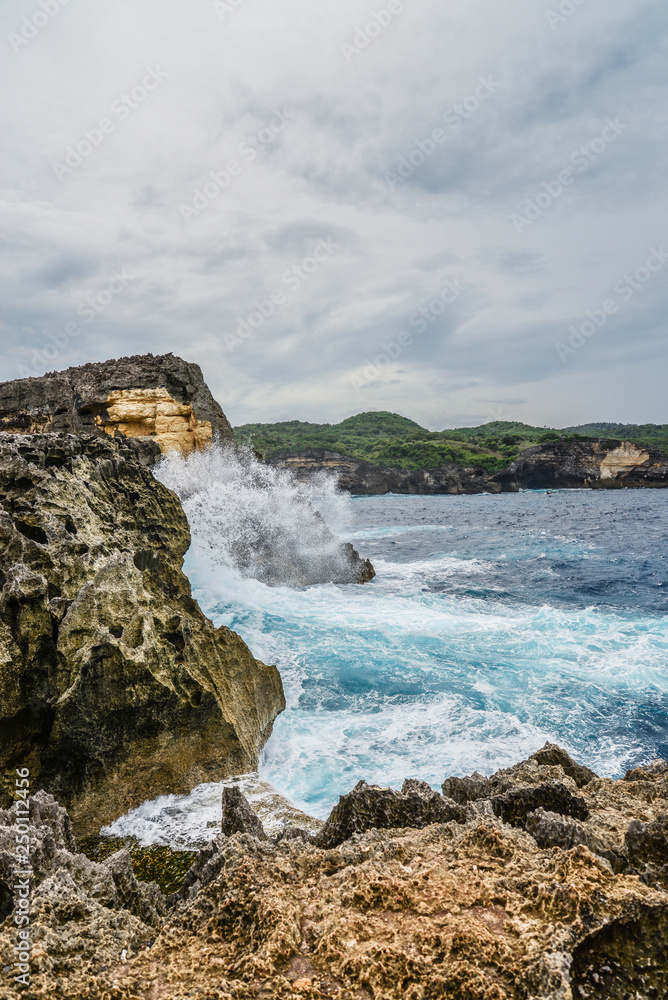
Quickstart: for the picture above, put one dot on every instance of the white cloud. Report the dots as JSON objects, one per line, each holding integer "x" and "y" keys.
{"x": 324, "y": 175}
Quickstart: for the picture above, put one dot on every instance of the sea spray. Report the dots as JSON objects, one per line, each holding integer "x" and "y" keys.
{"x": 261, "y": 521}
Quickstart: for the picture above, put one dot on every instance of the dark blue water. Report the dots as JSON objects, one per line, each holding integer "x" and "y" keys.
{"x": 495, "y": 623}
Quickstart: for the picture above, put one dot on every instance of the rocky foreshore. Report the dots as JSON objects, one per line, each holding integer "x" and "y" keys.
{"x": 542, "y": 882}
{"x": 553, "y": 465}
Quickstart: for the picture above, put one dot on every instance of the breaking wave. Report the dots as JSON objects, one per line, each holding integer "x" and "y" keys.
{"x": 258, "y": 520}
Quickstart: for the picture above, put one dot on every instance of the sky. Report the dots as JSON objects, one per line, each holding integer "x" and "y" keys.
{"x": 451, "y": 209}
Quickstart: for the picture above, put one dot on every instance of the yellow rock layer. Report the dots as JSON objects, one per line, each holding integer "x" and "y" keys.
{"x": 628, "y": 456}
{"x": 153, "y": 413}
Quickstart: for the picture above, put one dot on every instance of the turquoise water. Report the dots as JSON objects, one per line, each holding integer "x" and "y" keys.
{"x": 494, "y": 623}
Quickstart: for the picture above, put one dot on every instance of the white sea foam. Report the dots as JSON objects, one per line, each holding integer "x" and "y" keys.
{"x": 188, "y": 822}
{"x": 448, "y": 662}
{"x": 259, "y": 520}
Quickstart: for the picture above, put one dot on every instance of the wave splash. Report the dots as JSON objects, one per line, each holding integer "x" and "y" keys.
{"x": 260, "y": 521}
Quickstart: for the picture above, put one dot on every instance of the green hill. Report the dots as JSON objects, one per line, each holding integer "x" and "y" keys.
{"x": 653, "y": 435}
{"x": 389, "y": 439}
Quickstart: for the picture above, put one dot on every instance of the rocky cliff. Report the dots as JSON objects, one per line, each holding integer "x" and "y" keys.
{"x": 554, "y": 465}
{"x": 587, "y": 464}
{"x": 542, "y": 882}
{"x": 366, "y": 479}
{"x": 162, "y": 400}
{"x": 114, "y": 687}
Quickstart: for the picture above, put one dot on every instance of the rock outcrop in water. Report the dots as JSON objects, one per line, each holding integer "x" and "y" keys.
{"x": 114, "y": 687}
{"x": 162, "y": 400}
{"x": 560, "y": 894}
{"x": 259, "y": 520}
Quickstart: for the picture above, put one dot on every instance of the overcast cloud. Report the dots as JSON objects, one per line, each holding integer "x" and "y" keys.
{"x": 334, "y": 209}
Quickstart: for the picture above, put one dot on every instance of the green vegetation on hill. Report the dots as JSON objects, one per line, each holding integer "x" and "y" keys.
{"x": 389, "y": 439}
{"x": 652, "y": 435}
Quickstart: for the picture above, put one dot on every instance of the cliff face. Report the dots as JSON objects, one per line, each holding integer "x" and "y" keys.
{"x": 543, "y": 882}
{"x": 162, "y": 400}
{"x": 365, "y": 479}
{"x": 556, "y": 465}
{"x": 114, "y": 687}
{"x": 582, "y": 464}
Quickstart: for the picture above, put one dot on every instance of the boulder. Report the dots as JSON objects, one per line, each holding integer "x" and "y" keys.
{"x": 369, "y": 807}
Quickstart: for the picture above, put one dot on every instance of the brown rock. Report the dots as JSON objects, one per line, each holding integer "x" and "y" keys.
{"x": 114, "y": 687}
{"x": 470, "y": 910}
{"x": 163, "y": 400}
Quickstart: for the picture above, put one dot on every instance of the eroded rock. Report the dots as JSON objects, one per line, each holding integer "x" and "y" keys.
{"x": 163, "y": 401}
{"x": 114, "y": 687}
{"x": 465, "y": 908}
{"x": 368, "y": 807}
{"x": 238, "y": 817}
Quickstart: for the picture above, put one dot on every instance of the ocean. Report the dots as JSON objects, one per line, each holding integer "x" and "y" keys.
{"x": 494, "y": 623}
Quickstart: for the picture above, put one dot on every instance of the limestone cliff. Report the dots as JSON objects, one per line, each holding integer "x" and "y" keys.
{"x": 587, "y": 464}
{"x": 366, "y": 479}
{"x": 162, "y": 400}
{"x": 556, "y": 465}
{"x": 114, "y": 687}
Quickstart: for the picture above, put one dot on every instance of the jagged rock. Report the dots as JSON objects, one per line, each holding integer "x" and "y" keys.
{"x": 238, "y": 817}
{"x": 53, "y": 849}
{"x": 550, "y": 762}
{"x": 162, "y": 401}
{"x": 514, "y": 806}
{"x": 469, "y": 789}
{"x": 579, "y": 464}
{"x": 552, "y": 829}
{"x": 114, "y": 687}
{"x": 647, "y": 849}
{"x": 368, "y": 807}
{"x": 552, "y": 755}
{"x": 654, "y": 772}
{"x": 450, "y": 912}
{"x": 467, "y": 908}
